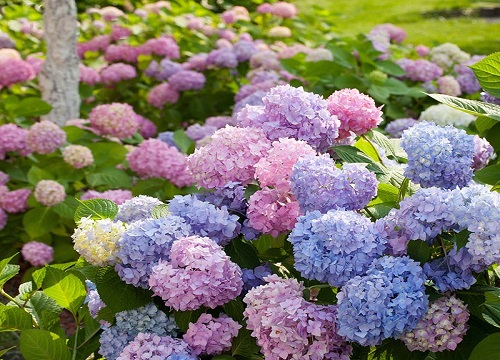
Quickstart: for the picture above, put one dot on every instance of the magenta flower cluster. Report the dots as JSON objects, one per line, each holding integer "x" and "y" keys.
{"x": 37, "y": 253}
{"x": 114, "y": 119}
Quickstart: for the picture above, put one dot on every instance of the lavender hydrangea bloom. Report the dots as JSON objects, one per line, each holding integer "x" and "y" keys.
{"x": 396, "y": 127}
{"x": 293, "y": 112}
{"x": 391, "y": 297}
{"x": 334, "y": 247}
{"x": 222, "y": 58}
{"x": 438, "y": 156}
{"x": 168, "y": 138}
{"x": 255, "y": 277}
{"x": 130, "y": 323}
{"x": 152, "y": 346}
{"x": 254, "y": 99}
{"x": 137, "y": 208}
{"x": 163, "y": 70}
{"x": 187, "y": 80}
{"x": 489, "y": 98}
{"x": 144, "y": 243}
{"x": 232, "y": 196}
{"x": 205, "y": 219}
{"x": 244, "y": 50}
{"x": 319, "y": 185}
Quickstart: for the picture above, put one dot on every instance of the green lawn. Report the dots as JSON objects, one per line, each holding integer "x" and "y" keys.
{"x": 417, "y": 17}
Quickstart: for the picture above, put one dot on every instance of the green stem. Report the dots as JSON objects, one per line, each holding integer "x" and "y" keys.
{"x": 374, "y": 149}
{"x": 77, "y": 321}
{"x": 10, "y": 298}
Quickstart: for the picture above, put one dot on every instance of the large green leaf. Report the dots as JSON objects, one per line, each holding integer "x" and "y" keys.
{"x": 242, "y": 254}
{"x": 7, "y": 271}
{"x": 65, "y": 288}
{"x": 67, "y": 208}
{"x": 484, "y": 123}
{"x": 32, "y": 107}
{"x": 419, "y": 250}
{"x": 487, "y": 72}
{"x": 97, "y": 209}
{"x": 350, "y": 154}
{"x": 183, "y": 318}
{"x": 39, "y": 344}
{"x": 473, "y": 107}
{"x": 487, "y": 349}
{"x": 35, "y": 174}
{"x": 110, "y": 176}
{"x": 107, "y": 154}
{"x": 488, "y": 175}
{"x": 183, "y": 142}
{"x": 244, "y": 344}
{"x": 39, "y": 221}
{"x": 14, "y": 319}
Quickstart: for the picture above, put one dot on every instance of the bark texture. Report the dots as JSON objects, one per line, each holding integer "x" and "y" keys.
{"x": 60, "y": 76}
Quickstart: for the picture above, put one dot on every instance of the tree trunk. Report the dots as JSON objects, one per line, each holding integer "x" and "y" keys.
{"x": 60, "y": 76}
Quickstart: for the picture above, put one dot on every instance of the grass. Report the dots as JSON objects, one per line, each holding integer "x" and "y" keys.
{"x": 425, "y": 21}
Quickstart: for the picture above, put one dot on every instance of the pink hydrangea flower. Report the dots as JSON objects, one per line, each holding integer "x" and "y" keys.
{"x": 37, "y": 253}
{"x": 119, "y": 32}
{"x": 448, "y": 85}
{"x": 154, "y": 158}
{"x": 121, "y": 52}
{"x": 196, "y": 62}
{"x": 422, "y": 50}
{"x": 272, "y": 212}
{"x": 13, "y": 138}
{"x": 211, "y": 336}
{"x": 3, "y": 219}
{"x": 114, "y": 119}
{"x": 77, "y": 156}
{"x": 147, "y": 128}
{"x": 4, "y": 178}
{"x": 357, "y": 112}
{"x": 15, "y": 71}
{"x": 234, "y": 14}
{"x": 49, "y": 192}
{"x": 274, "y": 170}
{"x": 117, "y": 72}
{"x": 163, "y": 46}
{"x": 199, "y": 274}
{"x": 89, "y": 75}
{"x": 483, "y": 152}
{"x": 284, "y": 10}
{"x": 118, "y": 196}
{"x": 45, "y": 137}
{"x": 98, "y": 43}
{"x": 35, "y": 62}
{"x": 163, "y": 94}
{"x": 230, "y": 156}
{"x": 15, "y": 201}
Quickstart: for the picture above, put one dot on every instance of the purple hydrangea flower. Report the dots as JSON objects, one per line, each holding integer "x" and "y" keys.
{"x": 153, "y": 346}
{"x": 319, "y": 185}
{"x": 438, "y": 156}
{"x": 334, "y": 247}
{"x": 162, "y": 94}
{"x": 222, "y": 58}
{"x": 483, "y": 152}
{"x": 205, "y": 218}
{"x": 255, "y": 277}
{"x": 244, "y": 50}
{"x": 420, "y": 70}
{"x": 37, "y": 253}
{"x": 232, "y": 196}
{"x": 396, "y": 127}
{"x": 144, "y": 243}
{"x": 187, "y": 80}
{"x": 391, "y": 298}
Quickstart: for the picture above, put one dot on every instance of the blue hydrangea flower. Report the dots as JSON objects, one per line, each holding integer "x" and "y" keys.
{"x": 386, "y": 302}
{"x": 137, "y": 208}
{"x": 438, "y": 156}
{"x": 255, "y": 277}
{"x": 145, "y": 243}
{"x": 334, "y": 247}
{"x": 319, "y": 185}
{"x": 206, "y": 219}
{"x": 168, "y": 138}
{"x": 146, "y": 319}
{"x": 232, "y": 196}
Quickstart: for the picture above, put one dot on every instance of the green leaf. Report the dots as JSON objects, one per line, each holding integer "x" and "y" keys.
{"x": 223, "y": 357}
{"x": 4, "y": 351}
{"x": 387, "y": 193}
{"x": 367, "y": 148}
{"x": 242, "y": 254}
{"x": 244, "y": 344}
{"x": 67, "y": 208}
{"x": 35, "y": 174}
{"x": 110, "y": 176}
{"x": 235, "y": 309}
{"x": 461, "y": 238}
{"x": 44, "y": 311}
{"x": 39, "y": 221}
{"x": 107, "y": 154}
{"x": 183, "y": 318}
{"x": 32, "y": 107}
{"x": 473, "y": 107}
{"x": 487, "y": 72}
{"x": 160, "y": 211}
{"x": 488, "y": 175}
{"x": 43, "y": 345}
{"x": 491, "y": 313}
{"x": 151, "y": 187}
{"x": 484, "y": 123}
{"x": 65, "y": 288}
{"x": 487, "y": 349}
{"x": 7, "y": 271}
{"x": 390, "y": 67}
{"x": 117, "y": 295}
{"x": 418, "y": 250}
{"x": 350, "y": 154}
{"x": 384, "y": 142}
{"x": 183, "y": 142}
{"x": 14, "y": 319}
{"x": 250, "y": 190}
{"x": 97, "y": 209}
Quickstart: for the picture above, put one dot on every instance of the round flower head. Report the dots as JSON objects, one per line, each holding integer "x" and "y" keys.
{"x": 483, "y": 152}
{"x": 357, "y": 112}
{"x": 49, "y": 192}
{"x": 420, "y": 70}
{"x": 37, "y": 253}
{"x": 391, "y": 297}
{"x": 283, "y": 9}
{"x": 152, "y": 346}
{"x": 187, "y": 80}
{"x": 144, "y": 243}
{"x": 163, "y": 46}
{"x": 396, "y": 127}
{"x": 122, "y": 52}
{"x": 199, "y": 273}
{"x": 15, "y": 201}
{"x": 275, "y": 169}
{"x": 288, "y": 327}
{"x": 443, "y": 115}
{"x": 114, "y": 119}
{"x": 222, "y": 58}
{"x": 442, "y": 328}
{"x": 117, "y": 196}
{"x": 272, "y": 212}
{"x": 6, "y": 42}
{"x": 295, "y": 113}
{"x": 449, "y": 85}
{"x": 45, "y": 137}
{"x": 446, "y": 55}
{"x": 98, "y": 43}
{"x": 163, "y": 70}
{"x": 319, "y": 54}
{"x": 13, "y": 138}
{"x": 137, "y": 208}
{"x": 232, "y": 196}
{"x": 147, "y": 128}
{"x": 119, "y": 32}
{"x": 117, "y": 72}
{"x": 205, "y": 218}
{"x": 88, "y": 75}
{"x": 96, "y": 240}
{"x": 78, "y": 156}
{"x": 244, "y": 50}
{"x": 265, "y": 60}
{"x": 146, "y": 319}
{"x": 438, "y": 156}
{"x": 211, "y": 336}
{"x": 230, "y": 156}
{"x": 154, "y": 158}
{"x": 319, "y": 185}
{"x": 334, "y": 247}
{"x": 15, "y": 71}
{"x": 280, "y": 31}
{"x": 197, "y": 132}
{"x": 162, "y": 94}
